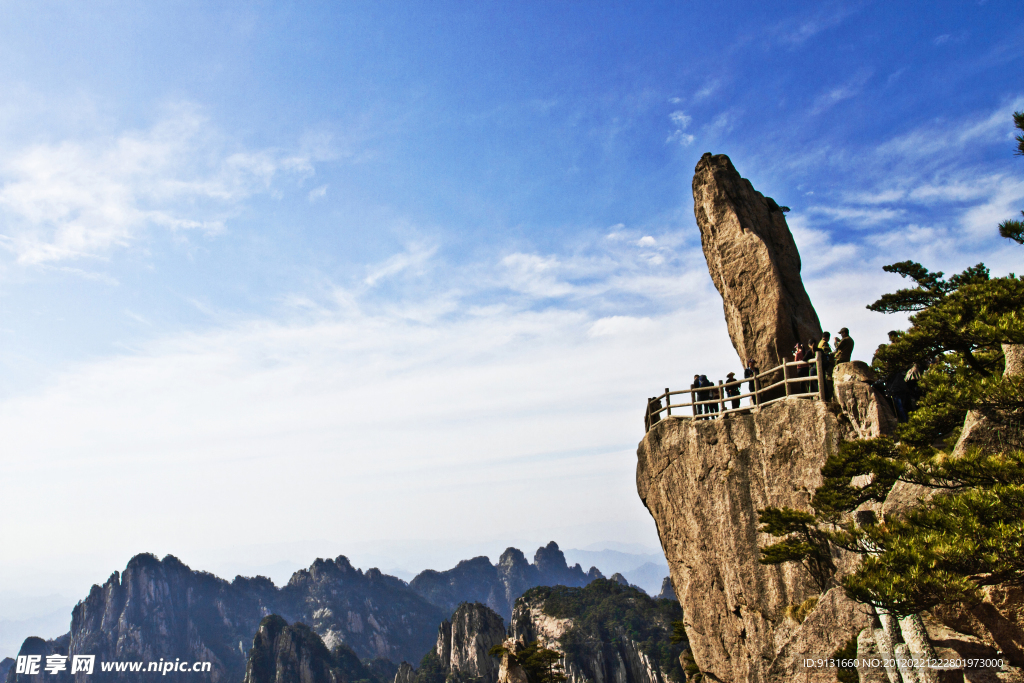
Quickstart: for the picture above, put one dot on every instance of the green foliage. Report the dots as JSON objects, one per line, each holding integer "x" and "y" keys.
{"x": 430, "y": 669}
{"x": 679, "y": 632}
{"x": 1018, "y": 122}
{"x": 946, "y": 549}
{"x": 605, "y": 612}
{"x": 799, "y": 612}
{"x": 1014, "y": 229}
{"x": 847, "y": 674}
{"x": 968, "y": 533}
{"x": 931, "y": 287}
{"x": 690, "y": 668}
{"x": 540, "y": 664}
{"x": 803, "y": 542}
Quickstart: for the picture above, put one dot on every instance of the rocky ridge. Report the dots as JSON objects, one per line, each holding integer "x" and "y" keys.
{"x": 499, "y": 585}
{"x": 162, "y": 608}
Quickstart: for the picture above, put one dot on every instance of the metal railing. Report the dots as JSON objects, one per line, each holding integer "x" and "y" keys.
{"x": 787, "y": 376}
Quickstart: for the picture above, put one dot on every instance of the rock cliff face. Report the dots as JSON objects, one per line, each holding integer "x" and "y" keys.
{"x": 376, "y": 615}
{"x": 753, "y": 262}
{"x": 589, "y": 627}
{"x": 296, "y": 654}
{"x": 498, "y": 586}
{"x": 703, "y": 482}
{"x": 464, "y": 642}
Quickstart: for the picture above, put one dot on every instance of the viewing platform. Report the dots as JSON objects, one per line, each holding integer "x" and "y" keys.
{"x": 782, "y": 382}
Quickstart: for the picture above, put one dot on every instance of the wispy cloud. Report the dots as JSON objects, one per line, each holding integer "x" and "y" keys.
{"x": 415, "y": 257}
{"x": 680, "y": 121}
{"x": 847, "y": 90}
{"x": 73, "y": 199}
{"x": 798, "y": 29}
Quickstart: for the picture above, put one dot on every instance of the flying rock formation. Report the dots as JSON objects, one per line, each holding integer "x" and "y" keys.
{"x": 753, "y": 262}
{"x": 705, "y": 481}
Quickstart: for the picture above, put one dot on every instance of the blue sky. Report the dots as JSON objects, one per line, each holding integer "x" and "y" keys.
{"x": 394, "y": 280}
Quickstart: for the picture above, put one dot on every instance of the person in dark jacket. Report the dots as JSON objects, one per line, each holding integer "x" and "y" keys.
{"x": 710, "y": 394}
{"x": 653, "y": 416}
{"x": 827, "y": 362}
{"x": 844, "y": 346}
{"x": 732, "y": 388}
{"x": 897, "y": 389}
{"x": 696, "y": 396}
{"x": 751, "y": 372}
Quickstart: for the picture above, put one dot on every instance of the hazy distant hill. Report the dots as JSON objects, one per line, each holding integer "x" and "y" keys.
{"x": 645, "y": 570}
{"x": 498, "y": 585}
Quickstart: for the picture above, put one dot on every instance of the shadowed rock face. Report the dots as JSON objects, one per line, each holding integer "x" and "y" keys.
{"x": 296, "y": 654}
{"x": 464, "y": 642}
{"x": 753, "y": 262}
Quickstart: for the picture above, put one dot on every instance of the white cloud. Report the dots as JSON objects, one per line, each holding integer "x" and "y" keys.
{"x": 680, "y": 120}
{"x": 709, "y": 88}
{"x": 647, "y": 241}
{"x": 619, "y": 324}
{"x": 318, "y": 193}
{"x": 856, "y": 215}
{"x": 414, "y": 257}
{"x": 324, "y": 411}
{"x": 834, "y": 96}
{"x": 75, "y": 199}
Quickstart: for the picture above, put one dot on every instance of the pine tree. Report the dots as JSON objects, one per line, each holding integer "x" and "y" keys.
{"x": 969, "y": 532}
{"x": 1014, "y": 229}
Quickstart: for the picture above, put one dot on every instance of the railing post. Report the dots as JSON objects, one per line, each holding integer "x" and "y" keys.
{"x": 785, "y": 378}
{"x": 819, "y": 366}
{"x": 721, "y": 398}
{"x": 757, "y": 388}
{"x": 668, "y": 402}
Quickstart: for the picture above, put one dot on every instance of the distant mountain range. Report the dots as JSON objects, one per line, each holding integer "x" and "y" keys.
{"x": 164, "y": 609}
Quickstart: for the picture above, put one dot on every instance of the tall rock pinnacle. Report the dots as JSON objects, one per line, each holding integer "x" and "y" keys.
{"x": 753, "y": 262}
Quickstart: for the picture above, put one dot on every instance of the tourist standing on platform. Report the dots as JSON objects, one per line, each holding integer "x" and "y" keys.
{"x": 709, "y": 394}
{"x": 751, "y": 372}
{"x": 801, "y": 354}
{"x": 732, "y": 388}
{"x": 827, "y": 361}
{"x": 844, "y": 346}
{"x": 696, "y": 396}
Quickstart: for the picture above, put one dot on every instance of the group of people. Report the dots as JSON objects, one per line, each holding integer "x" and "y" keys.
{"x": 805, "y": 353}
{"x": 704, "y": 389}
{"x": 710, "y": 399}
